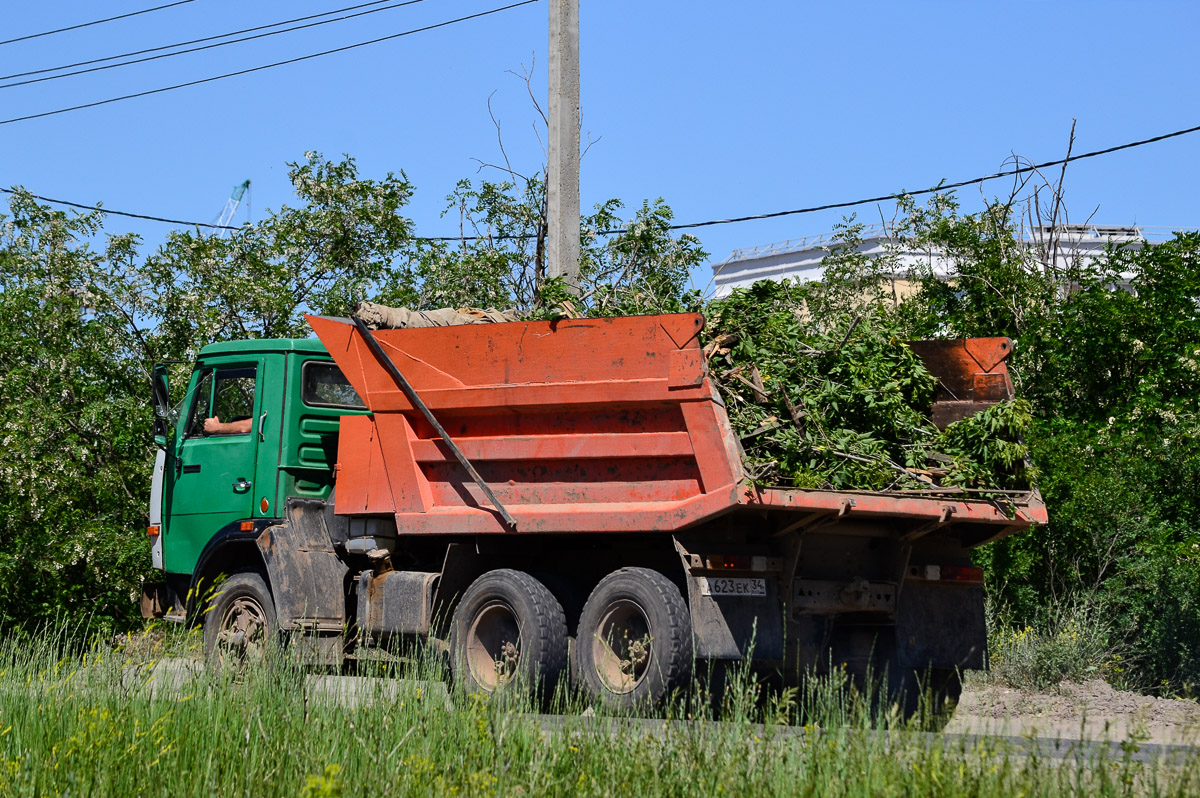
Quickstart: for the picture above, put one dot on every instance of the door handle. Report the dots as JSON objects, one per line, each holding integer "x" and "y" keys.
{"x": 241, "y": 486}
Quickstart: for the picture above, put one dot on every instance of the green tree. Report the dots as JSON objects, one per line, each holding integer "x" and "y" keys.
{"x": 499, "y": 259}
{"x": 336, "y": 247}
{"x": 1108, "y": 353}
{"x": 74, "y": 459}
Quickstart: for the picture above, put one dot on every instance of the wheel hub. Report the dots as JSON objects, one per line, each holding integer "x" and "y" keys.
{"x": 622, "y": 649}
{"x": 493, "y": 650}
{"x": 243, "y": 629}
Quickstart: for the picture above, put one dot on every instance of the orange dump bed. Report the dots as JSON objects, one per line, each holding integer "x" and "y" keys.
{"x": 586, "y": 425}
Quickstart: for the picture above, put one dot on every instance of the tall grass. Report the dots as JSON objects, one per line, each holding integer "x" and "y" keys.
{"x": 98, "y": 720}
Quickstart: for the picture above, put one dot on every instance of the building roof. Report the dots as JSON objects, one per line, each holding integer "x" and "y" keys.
{"x": 802, "y": 258}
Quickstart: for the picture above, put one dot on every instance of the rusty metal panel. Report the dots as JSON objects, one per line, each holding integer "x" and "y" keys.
{"x": 154, "y": 599}
{"x": 817, "y": 595}
{"x": 396, "y": 602}
{"x": 992, "y": 388}
{"x": 971, "y": 375}
{"x": 683, "y": 328}
{"x": 408, "y": 486}
{"x": 688, "y": 368}
{"x": 717, "y": 454}
{"x": 305, "y": 573}
{"x": 579, "y": 481}
{"x": 366, "y": 489}
{"x": 667, "y": 516}
{"x": 558, "y": 447}
{"x": 866, "y": 505}
{"x": 518, "y": 364}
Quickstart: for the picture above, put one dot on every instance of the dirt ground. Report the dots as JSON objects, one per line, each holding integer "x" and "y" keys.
{"x": 1093, "y": 710}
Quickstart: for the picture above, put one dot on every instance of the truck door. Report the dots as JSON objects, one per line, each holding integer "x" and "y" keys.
{"x": 213, "y": 483}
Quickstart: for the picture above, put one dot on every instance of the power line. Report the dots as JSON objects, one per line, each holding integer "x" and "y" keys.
{"x": 128, "y": 215}
{"x": 185, "y": 44}
{"x": 207, "y": 225}
{"x": 265, "y": 66}
{"x": 95, "y": 22}
{"x": 207, "y": 46}
{"x": 933, "y": 189}
{"x": 692, "y": 225}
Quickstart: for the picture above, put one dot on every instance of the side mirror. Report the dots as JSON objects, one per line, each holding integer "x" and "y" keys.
{"x": 164, "y": 414}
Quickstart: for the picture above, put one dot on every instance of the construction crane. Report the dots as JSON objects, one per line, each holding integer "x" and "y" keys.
{"x": 231, "y": 206}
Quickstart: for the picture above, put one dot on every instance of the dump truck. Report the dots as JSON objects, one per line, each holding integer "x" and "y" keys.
{"x": 544, "y": 501}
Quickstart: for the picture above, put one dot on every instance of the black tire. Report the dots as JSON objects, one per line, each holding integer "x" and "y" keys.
{"x": 240, "y": 624}
{"x": 570, "y": 595}
{"x": 635, "y": 640}
{"x": 508, "y": 629}
{"x": 927, "y": 696}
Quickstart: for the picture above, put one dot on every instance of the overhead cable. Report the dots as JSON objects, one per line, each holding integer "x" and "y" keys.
{"x": 265, "y": 66}
{"x": 933, "y": 189}
{"x": 190, "y": 41}
{"x": 829, "y": 206}
{"x": 94, "y": 22}
{"x": 208, "y": 46}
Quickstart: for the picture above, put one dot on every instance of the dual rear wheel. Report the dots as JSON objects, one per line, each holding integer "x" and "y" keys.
{"x": 508, "y": 628}
{"x": 633, "y": 643}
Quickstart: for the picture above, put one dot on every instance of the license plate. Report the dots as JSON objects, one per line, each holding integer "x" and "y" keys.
{"x": 732, "y": 586}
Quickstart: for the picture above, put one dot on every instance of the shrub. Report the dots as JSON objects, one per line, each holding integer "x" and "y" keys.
{"x": 1075, "y": 644}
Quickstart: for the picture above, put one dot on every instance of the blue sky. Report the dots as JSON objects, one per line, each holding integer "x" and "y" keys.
{"x": 723, "y": 109}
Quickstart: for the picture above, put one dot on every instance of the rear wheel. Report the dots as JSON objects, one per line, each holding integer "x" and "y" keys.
{"x": 508, "y": 628}
{"x": 634, "y": 644}
{"x": 928, "y": 696}
{"x": 240, "y": 624}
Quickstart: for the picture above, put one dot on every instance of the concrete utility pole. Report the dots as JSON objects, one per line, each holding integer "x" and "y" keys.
{"x": 562, "y": 201}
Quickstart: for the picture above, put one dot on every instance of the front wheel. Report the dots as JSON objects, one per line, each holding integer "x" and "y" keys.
{"x": 634, "y": 644}
{"x": 240, "y": 624}
{"x": 508, "y": 628}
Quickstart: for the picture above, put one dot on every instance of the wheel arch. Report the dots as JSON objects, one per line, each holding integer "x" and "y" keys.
{"x": 230, "y": 551}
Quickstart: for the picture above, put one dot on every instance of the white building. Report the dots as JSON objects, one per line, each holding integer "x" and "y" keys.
{"x": 802, "y": 258}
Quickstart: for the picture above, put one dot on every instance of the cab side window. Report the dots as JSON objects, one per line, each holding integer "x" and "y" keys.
{"x": 224, "y": 393}
{"x": 324, "y": 385}
{"x": 233, "y": 394}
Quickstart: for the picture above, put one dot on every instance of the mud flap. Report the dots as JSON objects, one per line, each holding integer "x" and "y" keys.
{"x": 736, "y": 627}
{"x": 308, "y": 579}
{"x": 154, "y": 599}
{"x": 941, "y": 626}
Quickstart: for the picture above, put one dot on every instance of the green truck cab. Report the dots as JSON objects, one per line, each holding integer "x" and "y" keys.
{"x": 279, "y": 402}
